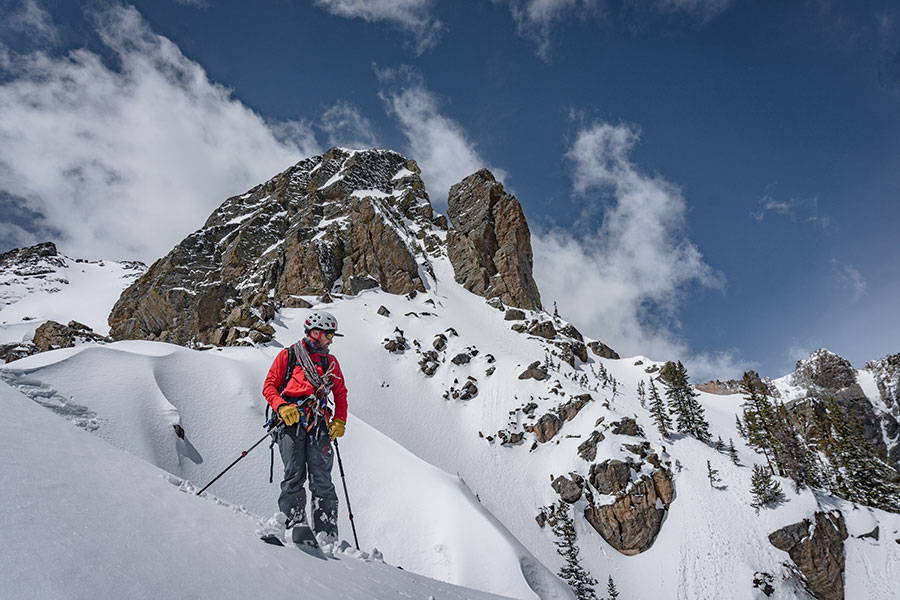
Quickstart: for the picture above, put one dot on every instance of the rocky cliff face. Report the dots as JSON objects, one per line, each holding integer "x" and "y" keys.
{"x": 337, "y": 223}
{"x": 825, "y": 375}
{"x": 817, "y": 548}
{"x": 490, "y": 243}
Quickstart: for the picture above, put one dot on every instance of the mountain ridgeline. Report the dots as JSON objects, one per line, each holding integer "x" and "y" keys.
{"x": 338, "y": 223}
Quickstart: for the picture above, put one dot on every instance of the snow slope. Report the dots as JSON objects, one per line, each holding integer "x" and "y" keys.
{"x": 422, "y": 518}
{"x": 427, "y": 489}
{"x": 83, "y": 519}
{"x": 61, "y": 289}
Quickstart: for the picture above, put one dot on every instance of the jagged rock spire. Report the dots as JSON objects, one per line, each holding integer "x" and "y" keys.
{"x": 489, "y": 243}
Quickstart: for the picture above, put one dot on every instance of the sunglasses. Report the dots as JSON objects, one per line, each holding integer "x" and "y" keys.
{"x": 328, "y": 334}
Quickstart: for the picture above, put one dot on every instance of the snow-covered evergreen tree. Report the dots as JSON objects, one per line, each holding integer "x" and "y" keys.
{"x": 572, "y": 572}
{"x": 690, "y": 417}
{"x": 642, "y": 393}
{"x": 611, "y": 591}
{"x": 732, "y": 452}
{"x": 764, "y": 488}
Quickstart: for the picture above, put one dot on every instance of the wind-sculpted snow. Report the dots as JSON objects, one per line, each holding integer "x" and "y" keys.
{"x": 83, "y": 519}
{"x": 423, "y": 519}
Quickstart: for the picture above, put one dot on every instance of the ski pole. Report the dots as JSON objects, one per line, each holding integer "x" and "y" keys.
{"x": 243, "y": 454}
{"x": 346, "y": 495}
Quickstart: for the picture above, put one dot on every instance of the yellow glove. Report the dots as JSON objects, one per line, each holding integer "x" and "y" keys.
{"x": 336, "y": 429}
{"x": 289, "y": 414}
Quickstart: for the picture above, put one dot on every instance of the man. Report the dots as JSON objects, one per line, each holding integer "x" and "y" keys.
{"x": 301, "y": 398}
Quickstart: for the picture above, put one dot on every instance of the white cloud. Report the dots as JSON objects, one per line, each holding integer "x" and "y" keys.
{"x": 125, "y": 162}
{"x": 849, "y": 279}
{"x": 345, "y": 126}
{"x": 795, "y": 209}
{"x": 535, "y": 18}
{"x": 625, "y": 279}
{"x": 414, "y": 16}
{"x": 437, "y": 143}
{"x": 30, "y": 18}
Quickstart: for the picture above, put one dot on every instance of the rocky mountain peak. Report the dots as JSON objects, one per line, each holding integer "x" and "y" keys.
{"x": 824, "y": 369}
{"x": 340, "y": 222}
{"x": 32, "y": 260}
{"x": 489, "y": 244}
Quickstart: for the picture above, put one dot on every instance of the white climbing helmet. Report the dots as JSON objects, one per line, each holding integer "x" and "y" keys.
{"x": 319, "y": 319}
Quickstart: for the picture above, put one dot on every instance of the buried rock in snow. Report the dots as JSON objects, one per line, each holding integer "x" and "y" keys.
{"x": 818, "y": 551}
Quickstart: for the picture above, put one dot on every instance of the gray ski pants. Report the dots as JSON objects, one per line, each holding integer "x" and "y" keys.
{"x": 308, "y": 453}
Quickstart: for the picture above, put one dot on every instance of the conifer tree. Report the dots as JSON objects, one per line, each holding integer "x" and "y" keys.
{"x": 758, "y": 419}
{"x": 732, "y": 452}
{"x": 642, "y": 393}
{"x": 720, "y": 445}
{"x": 712, "y": 475}
{"x": 689, "y": 414}
{"x": 611, "y": 592}
{"x": 858, "y": 474}
{"x": 578, "y": 578}
{"x": 658, "y": 412}
{"x": 764, "y": 488}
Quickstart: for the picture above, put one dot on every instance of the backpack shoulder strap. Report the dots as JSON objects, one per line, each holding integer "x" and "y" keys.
{"x": 292, "y": 362}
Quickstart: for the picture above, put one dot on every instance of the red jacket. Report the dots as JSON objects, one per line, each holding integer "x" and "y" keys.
{"x": 298, "y": 386}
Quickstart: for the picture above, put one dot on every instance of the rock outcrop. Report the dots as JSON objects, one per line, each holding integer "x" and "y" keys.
{"x": 489, "y": 243}
{"x": 632, "y": 522}
{"x": 602, "y": 350}
{"x": 825, "y": 370}
{"x": 817, "y": 548}
{"x": 341, "y": 222}
{"x": 52, "y": 335}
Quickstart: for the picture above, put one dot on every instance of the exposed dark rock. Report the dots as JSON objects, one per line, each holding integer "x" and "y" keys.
{"x": 429, "y": 362}
{"x": 602, "y": 350}
{"x": 291, "y": 236}
{"x": 534, "y": 371}
{"x": 818, "y": 552}
{"x": 887, "y": 376}
{"x": 52, "y": 335}
{"x": 824, "y": 369}
{"x": 610, "y": 477}
{"x": 572, "y": 332}
{"x": 461, "y": 359}
{"x": 489, "y": 244}
{"x": 298, "y": 302}
{"x": 569, "y": 490}
{"x": 632, "y": 522}
{"x": 439, "y": 342}
{"x": 11, "y": 352}
{"x": 383, "y": 311}
{"x": 570, "y": 409}
{"x": 489, "y": 371}
{"x": 546, "y": 427}
{"x": 514, "y": 314}
{"x": 588, "y": 448}
{"x": 544, "y": 329}
{"x": 468, "y": 391}
{"x": 627, "y": 426}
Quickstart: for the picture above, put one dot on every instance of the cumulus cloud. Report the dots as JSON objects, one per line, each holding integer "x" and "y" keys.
{"x": 123, "y": 162}
{"x": 805, "y": 210}
{"x": 414, "y": 16}
{"x": 345, "y": 126}
{"x": 438, "y": 143}
{"x": 624, "y": 280}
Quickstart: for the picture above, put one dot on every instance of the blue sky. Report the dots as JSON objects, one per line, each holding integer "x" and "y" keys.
{"x": 713, "y": 180}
